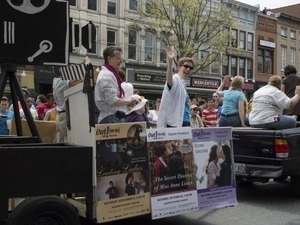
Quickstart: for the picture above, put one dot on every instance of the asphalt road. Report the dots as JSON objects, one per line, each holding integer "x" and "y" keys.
{"x": 258, "y": 204}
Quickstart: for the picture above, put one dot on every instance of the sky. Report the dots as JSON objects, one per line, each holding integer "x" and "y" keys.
{"x": 270, "y": 4}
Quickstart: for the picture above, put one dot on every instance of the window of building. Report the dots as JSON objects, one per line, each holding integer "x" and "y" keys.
{"x": 133, "y": 5}
{"x": 233, "y": 66}
{"x": 265, "y": 61}
{"x": 75, "y": 36}
{"x": 163, "y": 55}
{"x": 225, "y": 66}
{"x": 112, "y": 7}
{"x": 283, "y": 32}
{"x": 293, "y": 57}
{"x": 111, "y": 37}
{"x": 242, "y": 67}
{"x": 269, "y": 62}
{"x": 73, "y": 2}
{"x": 148, "y": 47}
{"x": 94, "y": 49}
{"x": 249, "y": 69}
{"x": 283, "y": 58}
{"x": 293, "y": 34}
{"x": 234, "y": 38}
{"x": 132, "y": 46}
{"x": 242, "y": 37}
{"x": 250, "y": 42}
{"x": 92, "y": 4}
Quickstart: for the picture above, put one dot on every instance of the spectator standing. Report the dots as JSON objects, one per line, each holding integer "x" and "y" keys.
{"x": 5, "y": 116}
{"x": 51, "y": 115}
{"x": 202, "y": 105}
{"x": 59, "y": 86}
{"x": 210, "y": 114}
{"x": 40, "y": 99}
{"x": 196, "y": 121}
{"x": 268, "y": 105}
{"x": 43, "y": 108}
{"x": 233, "y": 108}
{"x": 32, "y": 109}
{"x": 174, "y": 108}
{"x": 288, "y": 86}
{"x": 109, "y": 94}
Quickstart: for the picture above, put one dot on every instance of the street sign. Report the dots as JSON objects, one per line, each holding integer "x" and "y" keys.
{"x": 36, "y": 34}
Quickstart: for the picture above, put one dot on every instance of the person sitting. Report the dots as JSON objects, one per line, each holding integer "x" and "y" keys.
{"x": 136, "y": 113}
{"x": 268, "y": 105}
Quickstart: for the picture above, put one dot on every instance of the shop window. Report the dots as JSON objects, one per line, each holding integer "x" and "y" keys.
{"x": 265, "y": 61}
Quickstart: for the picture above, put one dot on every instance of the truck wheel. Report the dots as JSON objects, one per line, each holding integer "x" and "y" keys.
{"x": 295, "y": 184}
{"x": 44, "y": 211}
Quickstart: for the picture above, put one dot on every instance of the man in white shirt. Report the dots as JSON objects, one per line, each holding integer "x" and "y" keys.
{"x": 174, "y": 108}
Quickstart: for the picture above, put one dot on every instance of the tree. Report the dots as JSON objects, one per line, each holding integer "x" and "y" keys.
{"x": 194, "y": 27}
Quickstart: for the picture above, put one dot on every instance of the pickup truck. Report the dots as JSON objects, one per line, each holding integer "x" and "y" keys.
{"x": 262, "y": 155}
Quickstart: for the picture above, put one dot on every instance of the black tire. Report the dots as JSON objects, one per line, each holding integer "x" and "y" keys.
{"x": 44, "y": 210}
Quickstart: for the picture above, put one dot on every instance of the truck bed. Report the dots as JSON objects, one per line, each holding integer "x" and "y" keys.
{"x": 261, "y": 153}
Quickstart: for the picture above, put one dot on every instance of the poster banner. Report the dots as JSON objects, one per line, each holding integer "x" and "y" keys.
{"x": 172, "y": 174}
{"x": 213, "y": 152}
{"x": 122, "y": 166}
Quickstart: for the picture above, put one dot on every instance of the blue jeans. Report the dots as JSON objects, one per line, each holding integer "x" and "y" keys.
{"x": 283, "y": 122}
{"x": 231, "y": 121}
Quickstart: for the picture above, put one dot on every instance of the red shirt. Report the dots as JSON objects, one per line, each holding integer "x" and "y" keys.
{"x": 42, "y": 109}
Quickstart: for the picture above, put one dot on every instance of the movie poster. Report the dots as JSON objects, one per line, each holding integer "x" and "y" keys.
{"x": 123, "y": 188}
{"x": 213, "y": 152}
{"x": 172, "y": 172}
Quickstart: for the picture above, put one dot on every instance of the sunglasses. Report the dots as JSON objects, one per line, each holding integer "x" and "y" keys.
{"x": 187, "y": 66}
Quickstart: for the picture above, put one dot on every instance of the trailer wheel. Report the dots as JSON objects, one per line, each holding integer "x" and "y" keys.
{"x": 44, "y": 210}
{"x": 295, "y": 184}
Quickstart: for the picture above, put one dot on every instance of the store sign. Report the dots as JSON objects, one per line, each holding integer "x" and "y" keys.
{"x": 267, "y": 43}
{"x": 205, "y": 83}
{"x": 146, "y": 78}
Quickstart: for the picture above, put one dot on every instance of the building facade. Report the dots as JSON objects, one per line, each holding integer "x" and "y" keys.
{"x": 260, "y": 46}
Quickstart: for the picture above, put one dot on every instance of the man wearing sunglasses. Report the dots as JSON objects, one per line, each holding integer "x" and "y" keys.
{"x": 174, "y": 107}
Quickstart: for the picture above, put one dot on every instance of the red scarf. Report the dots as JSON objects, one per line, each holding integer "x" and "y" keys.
{"x": 117, "y": 76}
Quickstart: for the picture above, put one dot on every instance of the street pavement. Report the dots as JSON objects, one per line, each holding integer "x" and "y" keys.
{"x": 258, "y": 204}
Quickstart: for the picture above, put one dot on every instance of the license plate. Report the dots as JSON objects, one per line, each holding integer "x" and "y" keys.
{"x": 239, "y": 168}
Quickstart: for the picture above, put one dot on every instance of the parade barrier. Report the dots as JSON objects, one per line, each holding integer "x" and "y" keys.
{"x": 46, "y": 129}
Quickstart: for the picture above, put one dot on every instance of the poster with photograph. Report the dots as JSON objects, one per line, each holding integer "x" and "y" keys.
{"x": 213, "y": 152}
{"x": 172, "y": 172}
{"x": 123, "y": 188}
